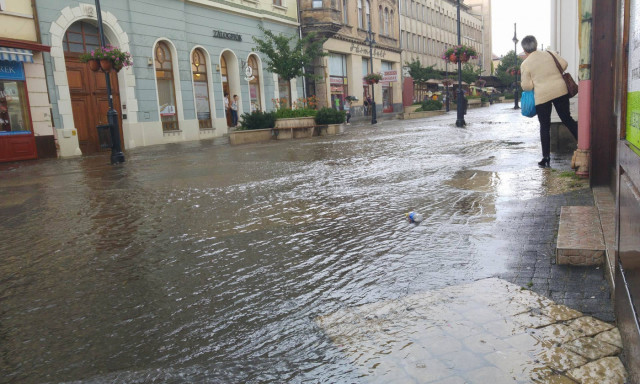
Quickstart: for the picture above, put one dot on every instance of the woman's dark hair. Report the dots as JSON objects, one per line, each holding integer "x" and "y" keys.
{"x": 529, "y": 44}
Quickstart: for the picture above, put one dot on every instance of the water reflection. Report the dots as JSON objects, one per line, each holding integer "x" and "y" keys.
{"x": 202, "y": 262}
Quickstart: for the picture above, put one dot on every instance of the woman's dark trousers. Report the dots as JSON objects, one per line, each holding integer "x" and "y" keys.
{"x": 544, "y": 117}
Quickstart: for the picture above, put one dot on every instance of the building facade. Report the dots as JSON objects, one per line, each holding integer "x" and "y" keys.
{"x": 345, "y": 25}
{"x": 429, "y": 27}
{"x": 26, "y": 130}
{"x": 187, "y": 55}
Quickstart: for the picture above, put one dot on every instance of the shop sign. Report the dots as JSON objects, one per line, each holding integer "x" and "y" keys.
{"x": 389, "y": 76}
{"x": 364, "y": 50}
{"x": 11, "y": 70}
{"x": 633, "y": 96}
{"x": 226, "y": 35}
{"x": 337, "y": 80}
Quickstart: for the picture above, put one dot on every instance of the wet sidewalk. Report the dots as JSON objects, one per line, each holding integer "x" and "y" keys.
{"x": 489, "y": 331}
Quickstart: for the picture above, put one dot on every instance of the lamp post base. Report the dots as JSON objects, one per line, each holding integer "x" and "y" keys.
{"x": 374, "y": 120}
{"x": 117, "y": 156}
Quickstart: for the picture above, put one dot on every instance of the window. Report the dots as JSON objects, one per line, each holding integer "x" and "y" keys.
{"x": 391, "y": 30}
{"x": 381, "y": 21}
{"x": 81, "y": 37}
{"x": 14, "y": 111}
{"x": 201, "y": 88}
{"x": 277, "y": 2}
{"x": 254, "y": 85}
{"x": 345, "y": 12}
{"x": 368, "y": 11}
{"x": 166, "y": 87}
{"x": 317, "y": 3}
{"x": 386, "y": 21}
{"x": 360, "y": 14}
{"x": 365, "y": 67}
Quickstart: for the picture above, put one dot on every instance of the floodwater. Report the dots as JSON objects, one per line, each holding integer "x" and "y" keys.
{"x": 202, "y": 262}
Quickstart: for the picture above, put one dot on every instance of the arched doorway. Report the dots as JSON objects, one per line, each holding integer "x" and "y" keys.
{"x": 88, "y": 90}
{"x": 230, "y": 74}
{"x": 253, "y": 76}
{"x": 165, "y": 83}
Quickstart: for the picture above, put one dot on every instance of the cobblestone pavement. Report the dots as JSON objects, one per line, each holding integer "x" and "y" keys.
{"x": 489, "y": 331}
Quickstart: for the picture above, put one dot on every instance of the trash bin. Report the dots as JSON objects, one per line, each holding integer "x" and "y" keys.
{"x": 104, "y": 136}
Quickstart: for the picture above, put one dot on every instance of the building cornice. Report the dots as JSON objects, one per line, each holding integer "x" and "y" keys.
{"x": 350, "y": 39}
{"x": 23, "y": 44}
{"x": 244, "y": 10}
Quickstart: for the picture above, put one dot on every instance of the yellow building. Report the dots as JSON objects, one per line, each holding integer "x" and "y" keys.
{"x": 26, "y": 131}
{"x": 345, "y": 24}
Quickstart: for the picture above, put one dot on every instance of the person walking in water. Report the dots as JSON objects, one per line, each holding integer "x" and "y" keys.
{"x": 540, "y": 74}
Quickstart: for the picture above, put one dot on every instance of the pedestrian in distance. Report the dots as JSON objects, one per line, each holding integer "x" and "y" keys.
{"x": 540, "y": 74}
{"x": 234, "y": 111}
{"x": 365, "y": 103}
{"x": 347, "y": 109}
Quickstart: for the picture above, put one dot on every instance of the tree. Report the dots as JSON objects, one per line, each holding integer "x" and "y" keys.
{"x": 508, "y": 61}
{"x": 470, "y": 73}
{"x": 287, "y": 56}
{"x": 421, "y": 74}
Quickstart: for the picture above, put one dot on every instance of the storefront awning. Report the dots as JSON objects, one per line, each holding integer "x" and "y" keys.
{"x": 16, "y": 54}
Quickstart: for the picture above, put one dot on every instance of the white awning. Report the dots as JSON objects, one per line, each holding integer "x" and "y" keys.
{"x": 16, "y": 54}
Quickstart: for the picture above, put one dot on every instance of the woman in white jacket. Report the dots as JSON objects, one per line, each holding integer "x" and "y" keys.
{"x": 540, "y": 74}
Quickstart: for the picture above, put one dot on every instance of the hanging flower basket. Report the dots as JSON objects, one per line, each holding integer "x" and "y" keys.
{"x": 460, "y": 53}
{"x": 107, "y": 58}
{"x": 447, "y": 82}
{"x": 94, "y": 65}
{"x": 373, "y": 78}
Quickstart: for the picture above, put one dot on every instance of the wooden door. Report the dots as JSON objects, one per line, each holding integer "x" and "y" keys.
{"x": 90, "y": 103}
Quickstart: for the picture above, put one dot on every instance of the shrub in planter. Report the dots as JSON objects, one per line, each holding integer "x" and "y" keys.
{"x": 288, "y": 113}
{"x": 431, "y": 105}
{"x": 509, "y": 96}
{"x": 258, "y": 120}
{"x": 330, "y": 116}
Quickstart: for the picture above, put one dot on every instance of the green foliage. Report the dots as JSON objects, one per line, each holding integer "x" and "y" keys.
{"x": 421, "y": 74}
{"x": 287, "y": 56}
{"x": 330, "y": 116}
{"x": 287, "y": 113}
{"x": 508, "y": 61}
{"x": 509, "y": 96}
{"x": 470, "y": 73}
{"x": 484, "y": 99}
{"x": 258, "y": 120}
{"x": 431, "y": 105}
{"x": 493, "y": 69}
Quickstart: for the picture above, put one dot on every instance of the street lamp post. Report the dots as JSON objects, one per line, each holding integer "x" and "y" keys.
{"x": 371, "y": 42}
{"x": 460, "y": 100}
{"x": 112, "y": 116}
{"x": 446, "y": 77}
{"x": 515, "y": 53}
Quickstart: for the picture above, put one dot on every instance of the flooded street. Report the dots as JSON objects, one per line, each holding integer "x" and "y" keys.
{"x": 202, "y": 262}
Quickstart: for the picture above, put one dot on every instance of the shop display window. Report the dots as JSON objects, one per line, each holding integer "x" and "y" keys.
{"x": 14, "y": 110}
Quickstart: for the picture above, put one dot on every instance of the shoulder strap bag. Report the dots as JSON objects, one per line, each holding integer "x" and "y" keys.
{"x": 572, "y": 87}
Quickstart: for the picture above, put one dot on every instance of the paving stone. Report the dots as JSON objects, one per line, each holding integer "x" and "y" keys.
{"x": 591, "y": 348}
{"x": 450, "y": 380}
{"x": 611, "y": 337}
{"x": 589, "y": 326}
{"x": 554, "y": 379}
{"x": 532, "y": 320}
{"x": 607, "y": 370}
{"x": 561, "y": 359}
{"x": 491, "y": 375}
{"x": 556, "y": 333}
{"x": 560, "y": 312}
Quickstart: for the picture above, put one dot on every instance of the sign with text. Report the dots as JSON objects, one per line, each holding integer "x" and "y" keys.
{"x": 633, "y": 95}
{"x": 11, "y": 70}
{"x": 337, "y": 80}
{"x": 364, "y": 50}
{"x": 389, "y": 76}
{"x": 227, "y": 35}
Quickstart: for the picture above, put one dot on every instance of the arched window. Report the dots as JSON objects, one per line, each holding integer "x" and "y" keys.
{"x": 166, "y": 87}
{"x": 380, "y": 20}
{"x": 254, "y": 84}
{"x": 201, "y": 88}
{"x": 360, "y": 14}
{"x": 81, "y": 37}
{"x": 386, "y": 21}
{"x": 391, "y": 30}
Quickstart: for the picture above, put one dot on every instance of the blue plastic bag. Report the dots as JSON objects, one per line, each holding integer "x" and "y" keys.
{"x": 528, "y": 104}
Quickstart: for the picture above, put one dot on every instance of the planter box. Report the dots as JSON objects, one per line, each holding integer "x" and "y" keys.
{"x": 329, "y": 130}
{"x": 421, "y": 115}
{"x": 294, "y": 132}
{"x": 250, "y": 136}
{"x": 296, "y": 122}
{"x": 411, "y": 108}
